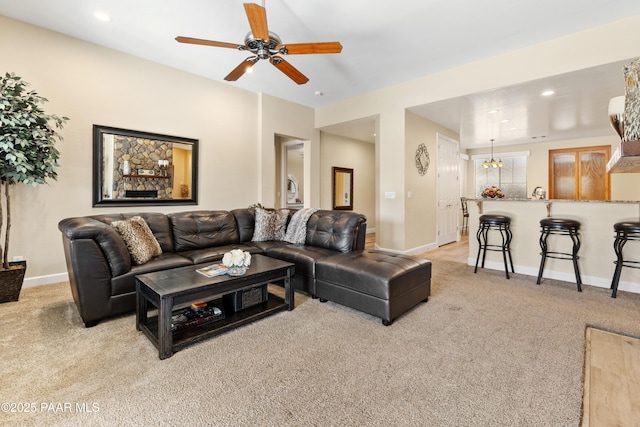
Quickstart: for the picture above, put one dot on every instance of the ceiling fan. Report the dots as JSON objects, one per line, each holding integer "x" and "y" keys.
{"x": 265, "y": 44}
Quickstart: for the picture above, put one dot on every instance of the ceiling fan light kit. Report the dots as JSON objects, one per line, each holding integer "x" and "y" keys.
{"x": 265, "y": 44}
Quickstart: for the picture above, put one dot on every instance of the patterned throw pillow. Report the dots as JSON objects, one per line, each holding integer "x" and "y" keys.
{"x": 270, "y": 225}
{"x": 140, "y": 241}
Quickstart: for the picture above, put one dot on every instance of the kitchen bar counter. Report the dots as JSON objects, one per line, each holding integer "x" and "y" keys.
{"x": 596, "y": 235}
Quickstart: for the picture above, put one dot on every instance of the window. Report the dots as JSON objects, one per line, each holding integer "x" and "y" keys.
{"x": 511, "y": 178}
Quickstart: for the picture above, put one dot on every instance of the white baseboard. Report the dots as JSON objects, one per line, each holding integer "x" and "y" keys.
{"x": 600, "y": 282}
{"x": 412, "y": 251}
{"x": 45, "y": 280}
{"x": 371, "y": 230}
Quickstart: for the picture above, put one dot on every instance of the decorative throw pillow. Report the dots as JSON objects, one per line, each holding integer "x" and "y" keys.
{"x": 140, "y": 241}
{"x": 297, "y": 228}
{"x": 270, "y": 225}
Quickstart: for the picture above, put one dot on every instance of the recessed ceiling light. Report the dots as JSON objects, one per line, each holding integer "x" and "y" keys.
{"x": 493, "y": 111}
{"x": 318, "y": 93}
{"x": 547, "y": 93}
{"x": 102, "y": 16}
{"x": 504, "y": 121}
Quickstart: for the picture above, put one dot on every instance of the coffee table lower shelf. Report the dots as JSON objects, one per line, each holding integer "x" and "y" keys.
{"x": 186, "y": 337}
{"x": 192, "y": 335}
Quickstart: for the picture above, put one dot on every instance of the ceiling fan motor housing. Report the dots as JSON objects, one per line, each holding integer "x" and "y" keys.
{"x": 263, "y": 49}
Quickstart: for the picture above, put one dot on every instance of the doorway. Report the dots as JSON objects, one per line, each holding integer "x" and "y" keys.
{"x": 448, "y": 190}
{"x": 293, "y": 174}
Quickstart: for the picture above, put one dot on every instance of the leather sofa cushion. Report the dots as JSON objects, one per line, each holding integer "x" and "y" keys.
{"x": 203, "y": 229}
{"x": 333, "y": 230}
{"x": 266, "y": 246}
{"x": 212, "y": 254}
{"x": 377, "y": 273}
{"x": 126, "y": 283}
{"x": 158, "y": 223}
{"x": 304, "y": 257}
{"x": 245, "y": 220}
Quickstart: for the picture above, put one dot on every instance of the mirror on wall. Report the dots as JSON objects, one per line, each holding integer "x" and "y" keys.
{"x": 292, "y": 190}
{"x": 132, "y": 168}
{"x": 294, "y": 184}
{"x": 342, "y": 188}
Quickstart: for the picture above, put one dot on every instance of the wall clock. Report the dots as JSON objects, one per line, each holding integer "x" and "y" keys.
{"x": 422, "y": 159}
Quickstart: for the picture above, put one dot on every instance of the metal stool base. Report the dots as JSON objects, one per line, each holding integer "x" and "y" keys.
{"x": 569, "y": 228}
{"x": 483, "y": 241}
{"x": 625, "y": 231}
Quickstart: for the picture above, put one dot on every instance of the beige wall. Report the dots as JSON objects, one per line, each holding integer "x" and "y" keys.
{"x": 349, "y": 153}
{"x": 95, "y": 85}
{"x": 281, "y": 120}
{"x": 596, "y": 256}
{"x": 597, "y": 46}
{"x": 421, "y": 214}
{"x": 624, "y": 186}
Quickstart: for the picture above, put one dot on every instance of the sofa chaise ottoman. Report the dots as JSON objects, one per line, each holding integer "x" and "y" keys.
{"x": 379, "y": 283}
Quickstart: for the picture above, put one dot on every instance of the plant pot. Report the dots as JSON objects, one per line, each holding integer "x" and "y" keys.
{"x": 11, "y": 281}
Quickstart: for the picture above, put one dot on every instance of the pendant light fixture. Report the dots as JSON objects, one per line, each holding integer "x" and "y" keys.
{"x": 492, "y": 163}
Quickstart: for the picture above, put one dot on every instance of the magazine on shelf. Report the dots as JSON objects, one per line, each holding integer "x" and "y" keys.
{"x": 213, "y": 270}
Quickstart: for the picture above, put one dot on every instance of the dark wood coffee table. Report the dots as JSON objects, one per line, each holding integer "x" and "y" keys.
{"x": 179, "y": 287}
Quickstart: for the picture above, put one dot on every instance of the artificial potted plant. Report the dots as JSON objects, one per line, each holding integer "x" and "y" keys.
{"x": 28, "y": 156}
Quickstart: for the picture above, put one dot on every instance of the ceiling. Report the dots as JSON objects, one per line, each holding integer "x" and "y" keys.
{"x": 384, "y": 43}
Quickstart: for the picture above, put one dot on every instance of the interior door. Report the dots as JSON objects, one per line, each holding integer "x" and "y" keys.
{"x": 448, "y": 190}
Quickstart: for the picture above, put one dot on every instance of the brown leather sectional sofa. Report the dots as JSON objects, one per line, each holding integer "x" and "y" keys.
{"x": 331, "y": 265}
{"x": 102, "y": 275}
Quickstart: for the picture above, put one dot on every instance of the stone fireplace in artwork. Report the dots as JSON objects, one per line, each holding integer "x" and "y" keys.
{"x": 145, "y": 178}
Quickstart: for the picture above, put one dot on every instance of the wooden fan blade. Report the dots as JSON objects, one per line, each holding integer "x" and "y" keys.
{"x": 289, "y": 70}
{"x": 257, "y": 16}
{"x": 241, "y": 69}
{"x": 302, "y": 48}
{"x": 191, "y": 40}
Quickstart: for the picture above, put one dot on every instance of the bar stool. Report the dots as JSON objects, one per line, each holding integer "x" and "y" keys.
{"x": 465, "y": 216}
{"x": 501, "y": 223}
{"x": 560, "y": 226}
{"x": 625, "y": 231}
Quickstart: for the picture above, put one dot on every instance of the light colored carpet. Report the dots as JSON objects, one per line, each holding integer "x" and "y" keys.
{"x": 483, "y": 351}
